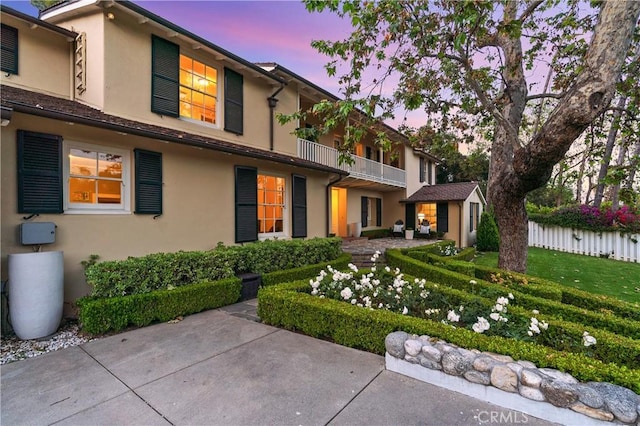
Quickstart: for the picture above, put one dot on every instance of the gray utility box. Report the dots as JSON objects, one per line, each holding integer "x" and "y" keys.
{"x": 37, "y": 233}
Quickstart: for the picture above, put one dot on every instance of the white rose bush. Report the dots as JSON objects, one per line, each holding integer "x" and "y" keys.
{"x": 389, "y": 289}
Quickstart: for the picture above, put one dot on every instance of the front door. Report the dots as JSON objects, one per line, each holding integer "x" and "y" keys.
{"x": 339, "y": 212}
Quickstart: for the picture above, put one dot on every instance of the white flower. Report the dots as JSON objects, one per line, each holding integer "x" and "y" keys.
{"x": 495, "y": 316}
{"x": 314, "y": 291}
{"x": 498, "y": 307}
{"x": 346, "y": 293}
{"x": 588, "y": 340}
{"x": 424, "y": 294}
{"x": 353, "y": 267}
{"x": 373, "y": 268}
{"x": 473, "y": 282}
{"x": 502, "y": 301}
{"x": 510, "y": 296}
{"x": 452, "y": 316}
{"x": 353, "y": 301}
{"x": 535, "y": 312}
{"x": 314, "y": 284}
{"x": 386, "y": 268}
{"x": 543, "y": 325}
{"x": 405, "y": 311}
{"x": 530, "y": 333}
{"x": 481, "y": 326}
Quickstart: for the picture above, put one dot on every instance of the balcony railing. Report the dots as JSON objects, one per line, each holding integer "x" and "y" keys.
{"x": 362, "y": 168}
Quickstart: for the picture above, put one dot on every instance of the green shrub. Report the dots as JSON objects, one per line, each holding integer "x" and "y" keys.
{"x": 99, "y": 315}
{"x": 377, "y": 233}
{"x": 530, "y": 295}
{"x": 462, "y": 267}
{"x": 568, "y": 295}
{"x": 303, "y": 272}
{"x": 287, "y": 305}
{"x": 137, "y": 275}
{"x": 488, "y": 238}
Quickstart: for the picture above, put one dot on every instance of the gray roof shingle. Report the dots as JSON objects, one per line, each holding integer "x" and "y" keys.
{"x": 459, "y": 191}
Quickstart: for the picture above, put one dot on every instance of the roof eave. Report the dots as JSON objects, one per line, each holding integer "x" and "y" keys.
{"x": 70, "y": 35}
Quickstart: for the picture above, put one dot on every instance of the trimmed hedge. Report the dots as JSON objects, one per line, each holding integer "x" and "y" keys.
{"x": 549, "y": 300}
{"x": 459, "y": 266}
{"x": 466, "y": 254}
{"x": 377, "y": 233}
{"x": 288, "y": 306}
{"x": 99, "y": 315}
{"x": 159, "y": 271}
{"x": 303, "y": 272}
{"x": 568, "y": 295}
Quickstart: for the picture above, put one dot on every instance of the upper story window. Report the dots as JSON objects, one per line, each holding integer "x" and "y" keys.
{"x": 9, "y": 45}
{"x": 97, "y": 178}
{"x": 198, "y": 90}
{"x": 184, "y": 87}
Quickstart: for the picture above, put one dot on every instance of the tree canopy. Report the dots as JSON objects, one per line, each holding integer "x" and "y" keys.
{"x": 473, "y": 67}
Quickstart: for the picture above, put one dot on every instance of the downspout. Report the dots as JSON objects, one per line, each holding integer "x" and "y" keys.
{"x": 272, "y": 106}
{"x": 328, "y": 203}
{"x": 460, "y": 227}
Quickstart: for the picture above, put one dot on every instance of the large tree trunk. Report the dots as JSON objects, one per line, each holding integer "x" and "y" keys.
{"x": 531, "y": 166}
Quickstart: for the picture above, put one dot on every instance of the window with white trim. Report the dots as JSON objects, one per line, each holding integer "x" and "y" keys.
{"x": 96, "y": 179}
{"x": 198, "y": 90}
{"x": 271, "y": 205}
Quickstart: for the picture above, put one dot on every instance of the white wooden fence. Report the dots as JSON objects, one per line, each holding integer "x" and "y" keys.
{"x": 612, "y": 244}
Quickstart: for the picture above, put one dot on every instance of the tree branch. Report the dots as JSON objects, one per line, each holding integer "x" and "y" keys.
{"x": 531, "y": 7}
{"x": 546, "y": 95}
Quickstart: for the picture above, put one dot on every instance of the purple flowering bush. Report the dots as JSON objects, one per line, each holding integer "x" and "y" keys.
{"x": 592, "y": 218}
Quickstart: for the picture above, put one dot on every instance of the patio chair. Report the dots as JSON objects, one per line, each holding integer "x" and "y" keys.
{"x": 398, "y": 229}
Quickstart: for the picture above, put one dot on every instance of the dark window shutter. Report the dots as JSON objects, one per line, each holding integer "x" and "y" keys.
{"x": 442, "y": 217}
{"x": 477, "y": 215}
{"x": 299, "y": 203}
{"x": 368, "y": 152}
{"x": 233, "y": 99}
{"x": 39, "y": 173}
{"x": 246, "y": 204}
{"x": 421, "y": 169}
{"x": 378, "y": 211}
{"x": 9, "y": 45}
{"x": 364, "y": 211}
{"x": 148, "y": 183}
{"x": 165, "y": 77}
{"x": 471, "y": 207}
{"x": 429, "y": 172}
{"x": 410, "y": 216}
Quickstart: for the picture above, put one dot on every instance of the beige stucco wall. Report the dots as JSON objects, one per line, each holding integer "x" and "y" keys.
{"x": 469, "y": 238}
{"x": 44, "y": 60}
{"x": 412, "y": 169}
{"x": 198, "y": 195}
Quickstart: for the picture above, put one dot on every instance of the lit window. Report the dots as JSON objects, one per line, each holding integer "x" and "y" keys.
{"x": 97, "y": 178}
{"x": 198, "y": 90}
{"x": 429, "y": 211}
{"x": 271, "y": 204}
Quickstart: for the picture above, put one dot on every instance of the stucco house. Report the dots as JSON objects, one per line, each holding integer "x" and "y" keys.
{"x": 135, "y": 136}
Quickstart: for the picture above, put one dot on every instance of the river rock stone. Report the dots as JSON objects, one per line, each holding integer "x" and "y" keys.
{"x": 477, "y": 377}
{"x": 443, "y": 347}
{"x": 530, "y": 378}
{"x": 531, "y": 393}
{"x": 517, "y": 368}
{"x": 425, "y": 339}
{"x": 504, "y": 378}
{"x": 394, "y": 343}
{"x": 558, "y": 375}
{"x": 411, "y": 359}
{"x": 454, "y": 363}
{"x": 559, "y": 393}
{"x": 595, "y": 413}
{"x": 429, "y": 363}
{"x": 590, "y": 397}
{"x": 498, "y": 357}
{"x": 622, "y": 402}
{"x": 412, "y": 347}
{"x": 526, "y": 364}
{"x": 431, "y": 353}
{"x": 484, "y": 363}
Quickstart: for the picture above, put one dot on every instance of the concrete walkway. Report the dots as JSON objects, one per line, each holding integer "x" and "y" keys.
{"x": 221, "y": 367}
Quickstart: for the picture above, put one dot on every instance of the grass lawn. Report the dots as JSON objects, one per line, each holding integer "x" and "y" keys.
{"x": 593, "y": 274}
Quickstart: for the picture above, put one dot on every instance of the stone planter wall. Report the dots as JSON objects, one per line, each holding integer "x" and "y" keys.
{"x": 519, "y": 385}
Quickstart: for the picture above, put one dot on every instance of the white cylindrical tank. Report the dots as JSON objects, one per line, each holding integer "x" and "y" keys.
{"x": 36, "y": 293}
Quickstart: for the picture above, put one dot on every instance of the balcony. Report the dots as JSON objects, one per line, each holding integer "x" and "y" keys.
{"x": 362, "y": 168}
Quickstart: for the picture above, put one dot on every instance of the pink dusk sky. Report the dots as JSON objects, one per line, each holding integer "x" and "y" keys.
{"x": 258, "y": 31}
